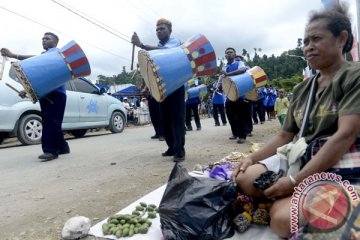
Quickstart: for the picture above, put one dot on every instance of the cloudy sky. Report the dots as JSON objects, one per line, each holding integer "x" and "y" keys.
{"x": 272, "y": 25}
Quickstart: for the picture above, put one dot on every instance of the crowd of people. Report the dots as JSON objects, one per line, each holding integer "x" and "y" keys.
{"x": 242, "y": 114}
{"x": 135, "y": 108}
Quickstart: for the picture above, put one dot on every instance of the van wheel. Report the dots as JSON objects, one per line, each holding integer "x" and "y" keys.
{"x": 78, "y": 133}
{"x": 117, "y": 122}
{"x": 30, "y": 129}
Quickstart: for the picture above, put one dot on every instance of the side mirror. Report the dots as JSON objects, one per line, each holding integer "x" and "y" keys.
{"x": 102, "y": 91}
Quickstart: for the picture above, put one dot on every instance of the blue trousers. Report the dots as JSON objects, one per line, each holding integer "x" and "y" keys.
{"x": 172, "y": 110}
{"x": 52, "y": 111}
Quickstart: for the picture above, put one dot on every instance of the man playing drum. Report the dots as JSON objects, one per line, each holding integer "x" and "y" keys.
{"x": 52, "y": 107}
{"x": 173, "y": 107}
{"x": 235, "y": 110}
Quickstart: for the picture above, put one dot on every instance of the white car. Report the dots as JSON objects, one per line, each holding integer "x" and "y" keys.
{"x": 87, "y": 107}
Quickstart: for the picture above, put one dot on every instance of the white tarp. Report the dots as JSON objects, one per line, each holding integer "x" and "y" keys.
{"x": 254, "y": 232}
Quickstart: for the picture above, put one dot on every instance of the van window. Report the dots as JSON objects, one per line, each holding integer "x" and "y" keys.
{"x": 85, "y": 87}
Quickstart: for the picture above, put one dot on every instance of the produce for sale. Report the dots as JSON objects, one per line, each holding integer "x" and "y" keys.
{"x": 127, "y": 225}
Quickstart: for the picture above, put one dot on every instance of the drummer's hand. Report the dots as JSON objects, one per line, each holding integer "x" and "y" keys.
{"x": 223, "y": 73}
{"x": 7, "y": 53}
{"x": 282, "y": 188}
{"x": 241, "y": 167}
{"x": 22, "y": 94}
{"x": 135, "y": 40}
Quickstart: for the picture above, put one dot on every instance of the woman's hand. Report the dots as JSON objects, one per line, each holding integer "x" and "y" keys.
{"x": 241, "y": 167}
{"x": 282, "y": 188}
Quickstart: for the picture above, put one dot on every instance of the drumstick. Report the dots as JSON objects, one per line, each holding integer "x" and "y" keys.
{"x": 133, "y": 74}
{"x": 132, "y": 57}
{"x": 12, "y": 87}
{"x": 20, "y": 95}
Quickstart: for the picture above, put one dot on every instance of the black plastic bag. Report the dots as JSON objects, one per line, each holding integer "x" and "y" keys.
{"x": 196, "y": 208}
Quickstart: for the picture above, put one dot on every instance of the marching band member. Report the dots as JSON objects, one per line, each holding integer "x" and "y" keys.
{"x": 173, "y": 107}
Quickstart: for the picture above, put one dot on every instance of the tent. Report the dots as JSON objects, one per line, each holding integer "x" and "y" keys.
{"x": 127, "y": 90}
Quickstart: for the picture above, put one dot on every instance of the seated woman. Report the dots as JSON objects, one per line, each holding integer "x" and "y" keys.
{"x": 335, "y": 112}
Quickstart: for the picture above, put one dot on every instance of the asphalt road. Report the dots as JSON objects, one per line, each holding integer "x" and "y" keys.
{"x": 104, "y": 173}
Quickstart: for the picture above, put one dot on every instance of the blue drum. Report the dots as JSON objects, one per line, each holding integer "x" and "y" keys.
{"x": 165, "y": 70}
{"x": 44, "y": 73}
{"x": 198, "y": 91}
{"x": 242, "y": 85}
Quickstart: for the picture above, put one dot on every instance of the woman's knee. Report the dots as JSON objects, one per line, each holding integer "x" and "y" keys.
{"x": 280, "y": 217}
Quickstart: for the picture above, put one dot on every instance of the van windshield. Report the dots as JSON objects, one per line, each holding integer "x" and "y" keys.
{"x": 13, "y": 75}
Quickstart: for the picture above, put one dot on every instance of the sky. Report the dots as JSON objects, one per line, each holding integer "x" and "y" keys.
{"x": 272, "y": 25}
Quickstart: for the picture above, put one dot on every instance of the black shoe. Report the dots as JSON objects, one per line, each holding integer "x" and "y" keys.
{"x": 217, "y": 124}
{"x": 233, "y": 138}
{"x": 255, "y": 123}
{"x": 224, "y": 124}
{"x": 189, "y": 129}
{"x": 64, "y": 151}
{"x": 48, "y": 157}
{"x": 262, "y": 122}
{"x": 198, "y": 128}
{"x": 241, "y": 141}
{"x": 154, "y": 137}
{"x": 161, "y": 138}
{"x": 167, "y": 154}
{"x": 250, "y": 135}
{"x": 179, "y": 158}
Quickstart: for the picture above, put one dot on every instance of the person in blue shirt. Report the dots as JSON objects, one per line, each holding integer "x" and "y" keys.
{"x": 269, "y": 100}
{"x": 192, "y": 109}
{"x": 52, "y": 107}
{"x": 218, "y": 102}
{"x": 173, "y": 107}
{"x": 259, "y": 110}
{"x": 235, "y": 110}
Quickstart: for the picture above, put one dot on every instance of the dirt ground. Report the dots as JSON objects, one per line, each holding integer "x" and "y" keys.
{"x": 103, "y": 174}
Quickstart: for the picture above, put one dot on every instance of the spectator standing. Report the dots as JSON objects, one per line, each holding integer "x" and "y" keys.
{"x": 202, "y": 110}
{"x": 281, "y": 106}
{"x": 269, "y": 101}
{"x": 209, "y": 107}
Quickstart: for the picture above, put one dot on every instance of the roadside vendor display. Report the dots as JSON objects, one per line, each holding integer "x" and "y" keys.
{"x": 127, "y": 225}
{"x": 140, "y": 220}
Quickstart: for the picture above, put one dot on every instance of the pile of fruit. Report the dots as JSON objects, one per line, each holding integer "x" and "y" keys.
{"x": 127, "y": 225}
